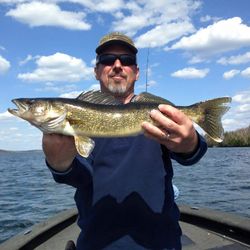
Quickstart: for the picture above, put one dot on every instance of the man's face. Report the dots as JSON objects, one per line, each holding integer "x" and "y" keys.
{"x": 117, "y": 79}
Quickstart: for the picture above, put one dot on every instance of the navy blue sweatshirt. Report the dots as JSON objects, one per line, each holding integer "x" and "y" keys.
{"x": 124, "y": 194}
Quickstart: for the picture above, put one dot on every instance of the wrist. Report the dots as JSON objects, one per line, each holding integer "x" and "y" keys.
{"x": 60, "y": 166}
{"x": 191, "y": 150}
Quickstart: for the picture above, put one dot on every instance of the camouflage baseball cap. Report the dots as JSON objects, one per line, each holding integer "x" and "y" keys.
{"x": 115, "y": 38}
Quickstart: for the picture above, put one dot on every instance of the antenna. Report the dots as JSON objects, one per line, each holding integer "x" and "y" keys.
{"x": 147, "y": 71}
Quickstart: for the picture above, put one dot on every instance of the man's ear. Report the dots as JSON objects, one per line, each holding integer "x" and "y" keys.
{"x": 96, "y": 73}
{"x": 137, "y": 73}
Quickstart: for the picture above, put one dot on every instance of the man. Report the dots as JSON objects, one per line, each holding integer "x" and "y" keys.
{"x": 124, "y": 191}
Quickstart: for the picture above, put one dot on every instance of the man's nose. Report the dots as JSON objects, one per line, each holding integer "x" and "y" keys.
{"x": 117, "y": 63}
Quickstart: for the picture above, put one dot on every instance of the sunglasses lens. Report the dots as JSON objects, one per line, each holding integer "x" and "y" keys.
{"x": 109, "y": 59}
{"x": 127, "y": 60}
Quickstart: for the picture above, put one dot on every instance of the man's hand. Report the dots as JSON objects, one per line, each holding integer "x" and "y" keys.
{"x": 173, "y": 129}
{"x": 59, "y": 150}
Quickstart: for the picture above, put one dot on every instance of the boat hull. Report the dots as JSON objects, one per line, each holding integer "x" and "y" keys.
{"x": 202, "y": 229}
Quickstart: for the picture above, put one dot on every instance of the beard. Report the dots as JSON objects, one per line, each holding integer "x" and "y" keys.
{"x": 118, "y": 90}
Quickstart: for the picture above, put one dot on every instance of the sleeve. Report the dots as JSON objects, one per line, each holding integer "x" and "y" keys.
{"x": 190, "y": 159}
{"x": 77, "y": 175}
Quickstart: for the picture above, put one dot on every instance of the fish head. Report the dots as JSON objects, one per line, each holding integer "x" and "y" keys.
{"x": 37, "y": 111}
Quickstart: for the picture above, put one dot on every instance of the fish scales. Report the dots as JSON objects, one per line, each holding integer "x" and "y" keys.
{"x": 101, "y": 116}
{"x": 96, "y": 120}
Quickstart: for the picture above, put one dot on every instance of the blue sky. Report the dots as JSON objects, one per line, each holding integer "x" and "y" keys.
{"x": 197, "y": 50}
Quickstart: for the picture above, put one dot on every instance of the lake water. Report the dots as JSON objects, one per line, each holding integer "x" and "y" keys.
{"x": 28, "y": 193}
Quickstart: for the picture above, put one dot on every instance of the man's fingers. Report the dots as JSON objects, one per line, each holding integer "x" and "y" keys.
{"x": 172, "y": 113}
{"x": 163, "y": 121}
{"x": 154, "y": 132}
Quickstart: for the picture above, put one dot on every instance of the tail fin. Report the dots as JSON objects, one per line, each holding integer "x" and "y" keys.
{"x": 212, "y": 112}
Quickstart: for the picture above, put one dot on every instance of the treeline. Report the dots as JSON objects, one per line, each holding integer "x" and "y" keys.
{"x": 237, "y": 138}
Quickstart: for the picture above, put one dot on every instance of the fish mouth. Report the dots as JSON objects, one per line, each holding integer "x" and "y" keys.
{"x": 21, "y": 107}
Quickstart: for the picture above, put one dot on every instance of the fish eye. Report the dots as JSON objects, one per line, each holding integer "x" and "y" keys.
{"x": 40, "y": 109}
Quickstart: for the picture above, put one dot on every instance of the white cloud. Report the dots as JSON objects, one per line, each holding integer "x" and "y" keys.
{"x": 99, "y": 5}
{"x": 17, "y": 134}
{"x": 234, "y": 60}
{"x": 6, "y": 115}
{"x": 74, "y": 94}
{"x": 4, "y": 65}
{"x": 25, "y": 137}
{"x": 243, "y": 97}
{"x": 107, "y": 5}
{"x": 150, "y": 84}
{"x": 131, "y": 24}
{"x": 12, "y": 1}
{"x": 27, "y": 59}
{"x": 208, "y": 18}
{"x": 93, "y": 62}
{"x": 222, "y": 36}
{"x": 244, "y": 108}
{"x": 13, "y": 129}
{"x": 195, "y": 60}
{"x": 162, "y": 34}
{"x": 239, "y": 114}
{"x": 59, "y": 68}
{"x": 190, "y": 73}
{"x": 48, "y": 14}
{"x": 246, "y": 72}
{"x": 230, "y": 74}
{"x": 162, "y": 21}
{"x": 94, "y": 87}
{"x": 57, "y": 88}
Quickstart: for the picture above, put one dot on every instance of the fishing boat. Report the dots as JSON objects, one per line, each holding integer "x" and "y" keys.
{"x": 202, "y": 228}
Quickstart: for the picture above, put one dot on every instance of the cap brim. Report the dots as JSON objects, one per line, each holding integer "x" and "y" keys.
{"x": 104, "y": 46}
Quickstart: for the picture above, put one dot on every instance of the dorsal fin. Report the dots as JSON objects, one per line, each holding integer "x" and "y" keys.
{"x": 150, "y": 98}
{"x": 98, "y": 97}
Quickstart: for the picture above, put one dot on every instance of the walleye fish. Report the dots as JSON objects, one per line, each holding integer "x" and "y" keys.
{"x": 97, "y": 114}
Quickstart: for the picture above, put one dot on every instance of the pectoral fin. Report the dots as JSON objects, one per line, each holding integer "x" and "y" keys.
{"x": 84, "y": 145}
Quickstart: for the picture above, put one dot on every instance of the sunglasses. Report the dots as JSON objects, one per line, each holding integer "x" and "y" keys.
{"x": 109, "y": 59}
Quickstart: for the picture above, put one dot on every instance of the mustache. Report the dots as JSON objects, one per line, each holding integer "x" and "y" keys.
{"x": 120, "y": 74}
